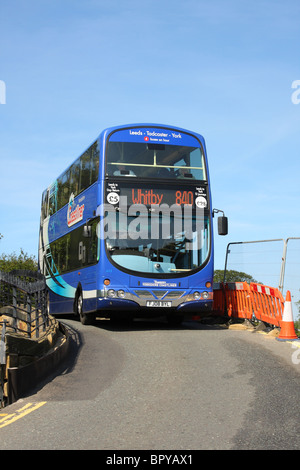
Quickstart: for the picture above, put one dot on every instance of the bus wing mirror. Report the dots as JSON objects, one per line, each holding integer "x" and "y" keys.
{"x": 222, "y": 222}
{"x": 222, "y": 225}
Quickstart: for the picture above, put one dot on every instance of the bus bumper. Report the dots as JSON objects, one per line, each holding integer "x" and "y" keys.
{"x": 196, "y": 306}
{"x": 116, "y": 304}
{"x": 107, "y": 307}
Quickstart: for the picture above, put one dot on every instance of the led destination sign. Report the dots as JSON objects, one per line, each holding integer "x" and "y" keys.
{"x": 195, "y": 196}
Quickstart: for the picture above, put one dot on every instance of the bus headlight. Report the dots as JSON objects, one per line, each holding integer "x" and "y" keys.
{"x": 111, "y": 293}
{"x": 198, "y": 296}
{"x": 121, "y": 294}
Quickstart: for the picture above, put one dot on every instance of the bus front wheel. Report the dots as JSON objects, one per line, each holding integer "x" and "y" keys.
{"x": 86, "y": 319}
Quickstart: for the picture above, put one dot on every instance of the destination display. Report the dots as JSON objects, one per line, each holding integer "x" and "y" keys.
{"x": 154, "y": 135}
{"x": 139, "y": 193}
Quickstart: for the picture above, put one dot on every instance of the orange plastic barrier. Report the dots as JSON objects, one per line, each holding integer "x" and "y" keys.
{"x": 219, "y": 304}
{"x": 238, "y": 300}
{"x": 232, "y": 299}
{"x": 267, "y": 303}
{"x": 241, "y": 300}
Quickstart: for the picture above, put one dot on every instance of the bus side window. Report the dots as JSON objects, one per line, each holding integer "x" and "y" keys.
{"x": 85, "y": 170}
{"x": 45, "y": 205}
{"x": 89, "y": 167}
{"x": 95, "y": 162}
{"x": 75, "y": 178}
{"x": 52, "y": 204}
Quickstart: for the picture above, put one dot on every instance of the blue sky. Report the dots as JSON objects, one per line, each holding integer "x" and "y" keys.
{"x": 223, "y": 68}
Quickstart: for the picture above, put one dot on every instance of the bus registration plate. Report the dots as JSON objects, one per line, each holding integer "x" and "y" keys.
{"x": 158, "y": 303}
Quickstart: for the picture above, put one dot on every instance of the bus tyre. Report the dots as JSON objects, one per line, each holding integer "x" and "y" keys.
{"x": 84, "y": 317}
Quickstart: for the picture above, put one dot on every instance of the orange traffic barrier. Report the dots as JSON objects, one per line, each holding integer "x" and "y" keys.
{"x": 287, "y": 328}
{"x": 219, "y": 299}
{"x": 267, "y": 303}
{"x": 238, "y": 300}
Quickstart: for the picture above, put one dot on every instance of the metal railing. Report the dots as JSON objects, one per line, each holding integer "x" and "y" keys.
{"x": 274, "y": 262}
{"x": 277, "y": 259}
{"x": 23, "y": 303}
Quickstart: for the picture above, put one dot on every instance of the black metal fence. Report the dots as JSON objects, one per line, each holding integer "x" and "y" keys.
{"x": 23, "y": 303}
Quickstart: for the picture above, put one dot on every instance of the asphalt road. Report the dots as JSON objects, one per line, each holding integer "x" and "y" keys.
{"x": 148, "y": 386}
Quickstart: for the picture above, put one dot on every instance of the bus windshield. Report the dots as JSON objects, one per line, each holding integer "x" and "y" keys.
{"x": 178, "y": 252}
{"x": 155, "y": 160}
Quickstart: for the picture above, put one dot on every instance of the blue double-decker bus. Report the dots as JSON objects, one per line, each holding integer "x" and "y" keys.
{"x": 126, "y": 230}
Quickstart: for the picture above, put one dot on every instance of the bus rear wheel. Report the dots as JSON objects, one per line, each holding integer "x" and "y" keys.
{"x": 85, "y": 318}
